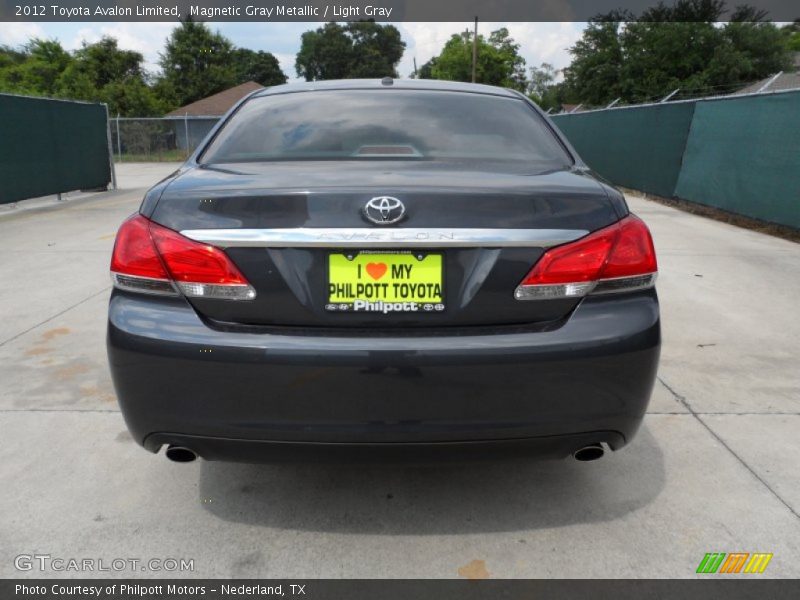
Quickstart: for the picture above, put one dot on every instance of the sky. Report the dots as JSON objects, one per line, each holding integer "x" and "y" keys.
{"x": 540, "y": 42}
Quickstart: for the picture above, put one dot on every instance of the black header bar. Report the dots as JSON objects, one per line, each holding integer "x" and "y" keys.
{"x": 707, "y": 588}
{"x": 344, "y": 10}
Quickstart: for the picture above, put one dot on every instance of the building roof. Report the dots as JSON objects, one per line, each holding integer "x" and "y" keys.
{"x": 568, "y": 108}
{"x": 217, "y": 104}
{"x": 785, "y": 81}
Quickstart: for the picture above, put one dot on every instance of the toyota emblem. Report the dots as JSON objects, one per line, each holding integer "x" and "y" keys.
{"x": 384, "y": 210}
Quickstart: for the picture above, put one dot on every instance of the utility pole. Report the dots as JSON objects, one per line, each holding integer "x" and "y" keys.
{"x": 119, "y": 140}
{"x": 475, "y": 52}
{"x": 415, "y": 67}
{"x": 110, "y": 149}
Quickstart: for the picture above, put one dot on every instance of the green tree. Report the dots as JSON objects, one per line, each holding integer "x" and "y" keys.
{"x": 261, "y": 67}
{"x": 682, "y": 45}
{"x": 102, "y": 72}
{"x": 660, "y": 57}
{"x": 507, "y": 54}
{"x": 104, "y": 62}
{"x": 792, "y": 33}
{"x": 543, "y": 89}
{"x": 749, "y": 51}
{"x": 499, "y": 62}
{"x": 593, "y": 77}
{"x": 542, "y": 79}
{"x": 10, "y": 57}
{"x": 357, "y": 49}
{"x": 376, "y": 49}
{"x": 196, "y": 63}
{"x": 35, "y": 70}
{"x": 10, "y": 60}
{"x": 132, "y": 98}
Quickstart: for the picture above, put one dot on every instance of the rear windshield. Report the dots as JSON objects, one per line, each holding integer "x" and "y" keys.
{"x": 387, "y": 124}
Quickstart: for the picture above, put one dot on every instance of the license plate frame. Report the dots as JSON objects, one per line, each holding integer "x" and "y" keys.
{"x": 426, "y": 298}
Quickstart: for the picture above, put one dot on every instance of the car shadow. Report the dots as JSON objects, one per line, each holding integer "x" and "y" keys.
{"x": 454, "y": 499}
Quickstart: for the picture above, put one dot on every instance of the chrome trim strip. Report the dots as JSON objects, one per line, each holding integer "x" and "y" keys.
{"x": 307, "y": 237}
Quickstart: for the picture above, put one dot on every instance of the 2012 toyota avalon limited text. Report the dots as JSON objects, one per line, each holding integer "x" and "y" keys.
{"x": 385, "y": 268}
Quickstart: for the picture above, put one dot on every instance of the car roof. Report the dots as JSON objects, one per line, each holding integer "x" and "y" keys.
{"x": 372, "y": 84}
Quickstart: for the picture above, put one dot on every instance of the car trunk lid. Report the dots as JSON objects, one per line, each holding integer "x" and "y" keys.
{"x": 288, "y": 225}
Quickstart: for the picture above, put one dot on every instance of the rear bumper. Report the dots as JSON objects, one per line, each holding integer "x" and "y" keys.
{"x": 263, "y": 396}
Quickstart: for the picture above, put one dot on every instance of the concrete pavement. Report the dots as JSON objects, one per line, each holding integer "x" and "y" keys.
{"x": 714, "y": 468}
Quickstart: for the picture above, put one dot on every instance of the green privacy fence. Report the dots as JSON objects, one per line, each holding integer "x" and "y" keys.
{"x": 51, "y": 146}
{"x": 743, "y": 155}
{"x": 638, "y": 147}
{"x": 740, "y": 154}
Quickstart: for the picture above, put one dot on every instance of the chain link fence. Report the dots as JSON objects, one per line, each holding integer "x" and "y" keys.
{"x": 157, "y": 139}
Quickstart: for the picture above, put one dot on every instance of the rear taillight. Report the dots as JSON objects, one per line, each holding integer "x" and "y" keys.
{"x": 617, "y": 258}
{"x": 152, "y": 259}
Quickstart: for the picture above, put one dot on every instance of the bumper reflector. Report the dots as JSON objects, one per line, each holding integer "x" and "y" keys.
{"x": 217, "y": 292}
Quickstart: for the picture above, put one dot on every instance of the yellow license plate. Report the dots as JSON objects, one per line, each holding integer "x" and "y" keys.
{"x": 385, "y": 282}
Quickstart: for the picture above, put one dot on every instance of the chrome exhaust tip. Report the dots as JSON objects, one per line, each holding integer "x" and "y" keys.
{"x": 589, "y": 453}
{"x": 180, "y": 454}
